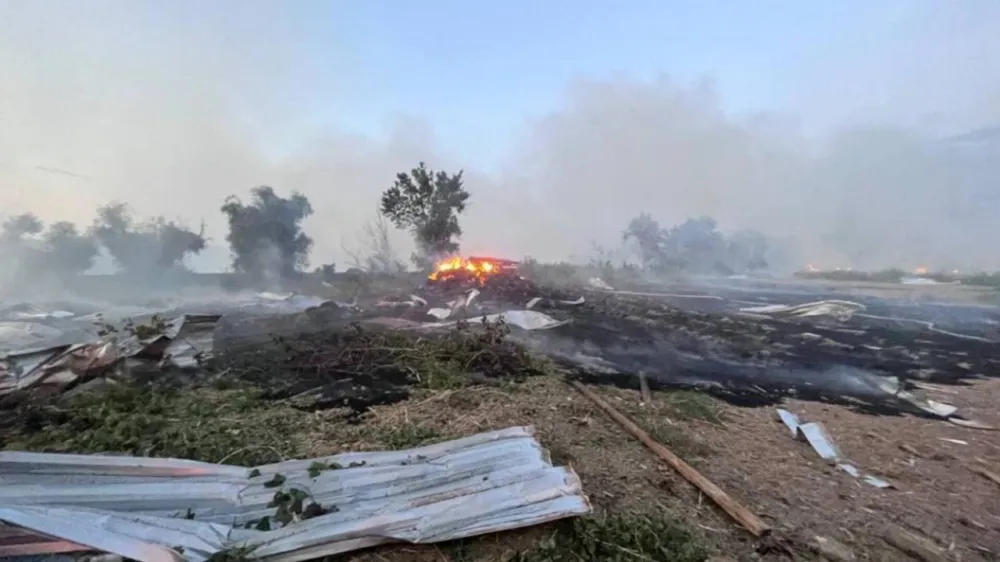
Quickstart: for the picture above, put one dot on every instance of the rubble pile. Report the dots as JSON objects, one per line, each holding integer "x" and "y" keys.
{"x": 477, "y": 286}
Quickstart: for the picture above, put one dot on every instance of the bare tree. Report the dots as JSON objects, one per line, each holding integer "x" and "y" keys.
{"x": 373, "y": 251}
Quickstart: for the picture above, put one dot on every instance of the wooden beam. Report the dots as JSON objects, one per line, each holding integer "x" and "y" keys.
{"x": 737, "y": 511}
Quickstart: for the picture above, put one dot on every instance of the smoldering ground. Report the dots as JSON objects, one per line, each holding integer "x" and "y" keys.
{"x": 172, "y": 108}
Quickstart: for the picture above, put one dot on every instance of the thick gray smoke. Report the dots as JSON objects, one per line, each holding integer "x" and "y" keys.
{"x": 174, "y": 106}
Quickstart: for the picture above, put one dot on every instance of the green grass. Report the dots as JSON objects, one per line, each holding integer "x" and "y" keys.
{"x": 617, "y": 539}
{"x": 405, "y": 436}
{"x": 694, "y": 405}
{"x": 681, "y": 443}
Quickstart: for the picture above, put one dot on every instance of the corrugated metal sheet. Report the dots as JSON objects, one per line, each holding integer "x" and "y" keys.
{"x": 144, "y": 508}
{"x": 55, "y": 366}
{"x": 185, "y": 342}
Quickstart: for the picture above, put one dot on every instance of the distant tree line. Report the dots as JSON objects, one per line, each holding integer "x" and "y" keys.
{"x": 696, "y": 246}
{"x": 268, "y": 244}
{"x": 265, "y": 235}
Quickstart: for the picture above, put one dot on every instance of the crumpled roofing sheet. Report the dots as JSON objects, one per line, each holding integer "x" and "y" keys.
{"x": 187, "y": 341}
{"x": 139, "y": 507}
{"x": 841, "y": 310}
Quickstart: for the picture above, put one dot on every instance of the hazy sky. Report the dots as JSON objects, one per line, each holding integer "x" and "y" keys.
{"x": 796, "y": 118}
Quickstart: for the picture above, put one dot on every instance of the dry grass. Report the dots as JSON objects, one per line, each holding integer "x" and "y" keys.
{"x": 629, "y": 488}
{"x": 640, "y": 506}
{"x": 643, "y": 510}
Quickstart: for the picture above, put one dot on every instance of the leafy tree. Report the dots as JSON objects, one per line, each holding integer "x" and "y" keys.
{"x": 697, "y": 245}
{"x": 265, "y": 235}
{"x": 427, "y": 203}
{"x": 30, "y": 250}
{"x": 67, "y": 250}
{"x": 138, "y": 247}
{"x": 748, "y": 251}
{"x": 15, "y": 228}
{"x": 648, "y": 236}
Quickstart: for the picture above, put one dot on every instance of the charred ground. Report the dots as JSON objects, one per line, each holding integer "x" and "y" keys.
{"x": 341, "y": 378}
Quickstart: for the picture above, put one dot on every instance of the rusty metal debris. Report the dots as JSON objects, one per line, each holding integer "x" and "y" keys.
{"x": 156, "y": 510}
{"x": 183, "y": 342}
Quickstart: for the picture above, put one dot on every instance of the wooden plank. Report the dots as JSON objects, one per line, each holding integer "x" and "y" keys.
{"x": 737, "y": 511}
{"x": 644, "y": 389}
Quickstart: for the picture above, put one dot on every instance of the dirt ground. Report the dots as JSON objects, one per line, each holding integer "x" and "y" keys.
{"x": 946, "y": 478}
{"x": 940, "y": 493}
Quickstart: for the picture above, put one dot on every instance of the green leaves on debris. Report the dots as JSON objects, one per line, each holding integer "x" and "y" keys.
{"x": 239, "y": 418}
{"x": 234, "y": 426}
{"x": 694, "y": 405}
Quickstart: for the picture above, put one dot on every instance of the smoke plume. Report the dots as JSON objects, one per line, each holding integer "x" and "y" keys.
{"x": 173, "y": 107}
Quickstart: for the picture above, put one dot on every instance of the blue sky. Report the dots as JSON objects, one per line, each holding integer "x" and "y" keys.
{"x": 175, "y": 105}
{"x": 476, "y": 70}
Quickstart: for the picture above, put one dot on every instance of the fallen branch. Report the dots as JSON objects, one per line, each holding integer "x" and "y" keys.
{"x": 737, "y": 511}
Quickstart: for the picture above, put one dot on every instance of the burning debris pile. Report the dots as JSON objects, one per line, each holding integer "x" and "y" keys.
{"x": 468, "y": 271}
{"x": 493, "y": 284}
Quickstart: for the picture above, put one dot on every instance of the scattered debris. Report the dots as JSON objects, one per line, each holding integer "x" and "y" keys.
{"x": 972, "y": 424}
{"x": 598, "y": 283}
{"x": 893, "y": 386}
{"x": 293, "y": 510}
{"x": 841, "y": 310}
{"x": 524, "y": 319}
{"x": 816, "y": 435}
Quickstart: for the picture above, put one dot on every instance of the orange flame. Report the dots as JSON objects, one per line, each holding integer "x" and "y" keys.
{"x": 921, "y": 270}
{"x": 478, "y": 268}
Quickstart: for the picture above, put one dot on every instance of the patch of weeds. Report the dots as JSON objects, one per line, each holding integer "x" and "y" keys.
{"x": 695, "y": 405}
{"x": 235, "y": 427}
{"x": 406, "y": 436}
{"x": 438, "y": 374}
{"x": 617, "y": 539}
{"x": 680, "y": 443}
{"x": 461, "y": 550}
